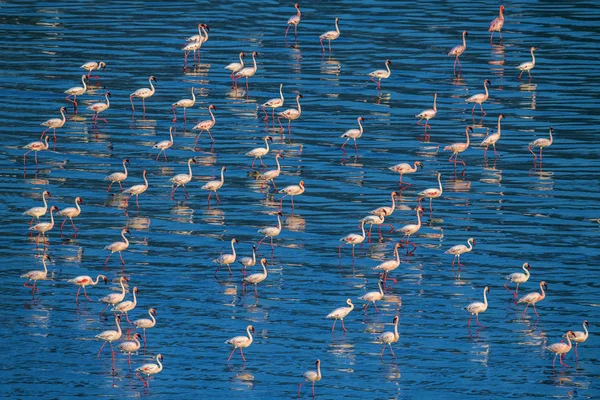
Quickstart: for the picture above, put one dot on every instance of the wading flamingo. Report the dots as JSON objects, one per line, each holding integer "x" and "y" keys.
{"x": 294, "y": 20}
{"x": 340, "y": 313}
{"x": 99, "y": 107}
{"x": 491, "y": 140}
{"x": 118, "y": 176}
{"x": 206, "y": 125}
{"x": 150, "y": 369}
{"x": 70, "y": 213}
{"x": 213, "y": 186}
{"x": 292, "y": 190}
{"x": 354, "y": 133}
{"x": 431, "y": 193}
{"x": 183, "y": 179}
{"x": 404, "y": 168}
{"x": 93, "y": 66}
{"x": 458, "y": 50}
{"x": 479, "y": 98}
{"x": 459, "y": 249}
{"x": 388, "y": 266}
{"x": 118, "y": 247}
{"x": 269, "y": 176}
{"x": 330, "y": 35}
{"x": 561, "y": 349}
{"x": 164, "y": 145}
{"x": 353, "y": 239}
{"x": 76, "y": 91}
{"x": 541, "y": 143}
{"x": 235, "y": 68}
{"x": 35, "y": 147}
{"x": 257, "y": 278}
{"x": 241, "y": 342}
{"x": 260, "y": 152}
{"x": 185, "y": 104}
{"x": 114, "y": 298}
{"x": 580, "y": 337}
{"x": 518, "y": 278}
{"x": 110, "y": 336}
{"x": 247, "y": 72}
{"x": 372, "y": 297}
{"x": 534, "y": 297}
{"x": 527, "y": 66}
{"x": 456, "y": 148}
{"x": 428, "y": 114}
{"x": 143, "y": 93}
{"x": 478, "y": 307}
{"x": 131, "y": 346}
{"x": 497, "y": 24}
{"x": 37, "y": 212}
{"x": 381, "y": 74}
{"x": 270, "y": 232}
{"x": 248, "y": 262}
{"x": 273, "y": 104}
{"x": 146, "y": 323}
{"x": 44, "y": 227}
{"x": 35, "y": 276}
{"x": 291, "y": 114}
{"x": 387, "y": 338}
{"x": 55, "y": 123}
{"x": 136, "y": 190}
{"x": 411, "y": 229}
{"x": 226, "y": 259}
{"x": 83, "y": 281}
{"x": 125, "y": 306}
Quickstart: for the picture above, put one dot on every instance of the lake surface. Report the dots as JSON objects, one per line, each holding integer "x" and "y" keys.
{"x": 517, "y": 211}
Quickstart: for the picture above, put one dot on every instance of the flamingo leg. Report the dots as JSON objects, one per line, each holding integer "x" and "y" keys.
{"x": 313, "y": 389}
{"x": 392, "y": 350}
{"x": 525, "y": 310}
{"x": 186, "y": 192}
{"x": 105, "y": 261}
{"x": 343, "y": 327}
{"x": 77, "y": 296}
{"x": 85, "y": 294}
{"x": 231, "y": 354}
{"x": 554, "y": 360}
{"x": 469, "y": 324}
{"x": 576, "y": 355}
{"x": 173, "y": 192}
{"x": 535, "y": 311}
{"x": 531, "y": 151}
{"x": 299, "y": 388}
{"x": 100, "y": 351}
{"x": 322, "y": 47}
{"x": 477, "y": 318}
{"x": 376, "y": 309}
{"x": 122, "y": 261}
{"x": 507, "y": 288}
{"x": 333, "y": 326}
{"x": 242, "y": 353}
{"x": 345, "y": 142}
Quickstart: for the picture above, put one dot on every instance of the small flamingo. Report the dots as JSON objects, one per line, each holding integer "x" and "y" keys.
{"x": 185, "y": 104}
{"x": 196, "y": 44}
{"x": 206, "y": 125}
{"x": 114, "y": 298}
{"x": 291, "y": 114}
{"x": 273, "y": 104}
{"x": 55, "y": 123}
{"x": 387, "y": 338}
{"x": 371, "y": 220}
{"x": 497, "y": 24}
{"x": 136, "y": 190}
{"x": 44, "y": 227}
{"x": 270, "y": 231}
{"x": 388, "y": 266}
{"x": 311, "y": 376}
{"x": 93, "y": 66}
{"x": 479, "y": 98}
{"x": 491, "y": 140}
{"x": 183, "y": 179}
{"x": 372, "y": 297}
{"x": 213, "y": 186}
{"x": 226, "y": 259}
{"x": 330, "y": 35}
{"x": 145, "y": 323}
{"x": 340, "y": 313}
{"x": 260, "y": 152}
{"x": 235, "y": 68}
{"x": 76, "y": 91}
{"x": 292, "y": 190}
{"x": 257, "y": 278}
{"x": 431, "y": 193}
{"x": 247, "y": 72}
{"x": 110, "y": 336}
{"x": 131, "y": 346}
{"x": 241, "y": 342}
{"x": 428, "y": 114}
{"x": 143, "y": 93}
{"x": 125, "y": 306}
{"x": 270, "y": 175}
{"x": 118, "y": 247}
{"x": 411, "y": 229}
{"x": 478, "y": 307}
{"x": 164, "y": 145}
{"x": 527, "y": 66}
{"x": 580, "y": 337}
{"x": 381, "y": 74}
{"x": 35, "y": 147}
{"x": 560, "y": 349}
{"x": 459, "y": 249}
{"x": 404, "y": 168}
{"x": 294, "y": 20}
{"x": 36, "y": 275}
{"x": 541, "y": 143}
{"x": 37, "y": 212}
{"x": 534, "y": 297}
{"x": 70, "y": 213}
{"x": 388, "y": 210}
{"x": 97, "y": 108}
{"x": 518, "y": 278}
{"x": 118, "y": 176}
{"x": 458, "y": 50}
{"x": 150, "y": 369}
{"x": 248, "y": 262}
{"x": 354, "y": 133}
{"x": 83, "y": 281}
{"x": 353, "y": 239}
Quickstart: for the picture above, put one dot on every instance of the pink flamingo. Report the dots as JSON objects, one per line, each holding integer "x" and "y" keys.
{"x": 479, "y": 98}
{"x": 340, "y": 313}
{"x": 381, "y": 74}
{"x": 330, "y": 35}
{"x": 97, "y": 108}
{"x": 136, "y": 190}
{"x": 541, "y": 143}
{"x": 93, "y": 66}
{"x": 354, "y": 133}
{"x": 534, "y": 297}
{"x": 143, "y": 93}
{"x": 518, "y": 278}
{"x": 459, "y": 148}
{"x": 404, "y": 168}
{"x": 83, "y": 281}
{"x": 294, "y": 21}
{"x": 248, "y": 72}
{"x": 55, "y": 123}
{"x": 110, "y": 336}
{"x": 118, "y": 247}
{"x": 235, "y": 68}
{"x": 428, "y": 114}
{"x": 353, "y": 239}
{"x": 241, "y": 342}
{"x": 561, "y": 349}
{"x": 145, "y": 323}
{"x": 35, "y": 147}
{"x": 291, "y": 114}
{"x": 458, "y": 50}
{"x": 292, "y": 190}
{"x": 491, "y": 140}
{"x": 70, "y": 213}
{"x": 478, "y": 307}
{"x": 150, "y": 369}
{"x": 131, "y": 346}
{"x": 44, "y": 227}
{"x": 118, "y": 176}
{"x": 185, "y": 104}
{"x": 36, "y": 275}
{"x": 431, "y": 193}
{"x": 206, "y": 125}
{"x": 497, "y": 24}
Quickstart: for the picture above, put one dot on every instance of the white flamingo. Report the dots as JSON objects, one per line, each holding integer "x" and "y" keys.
{"x": 37, "y": 212}
{"x": 35, "y": 147}
{"x": 235, "y": 68}
{"x": 354, "y": 133}
{"x": 164, "y": 145}
{"x": 532, "y": 298}
{"x": 143, "y": 93}
{"x": 580, "y": 337}
{"x": 478, "y": 307}
{"x": 99, "y": 107}
{"x": 340, "y": 313}
{"x": 146, "y": 323}
{"x": 458, "y": 50}
{"x": 270, "y": 175}
{"x": 70, "y": 213}
{"x": 226, "y": 259}
{"x": 183, "y": 179}
{"x": 273, "y": 104}
{"x": 195, "y": 44}
{"x": 292, "y": 190}
{"x": 372, "y": 297}
{"x": 241, "y": 342}
{"x": 411, "y": 229}
{"x": 110, "y": 336}
{"x": 560, "y": 349}
{"x": 248, "y": 72}
{"x": 83, "y": 281}
{"x": 456, "y": 148}
{"x": 115, "y": 298}
{"x": 125, "y": 306}
{"x": 150, "y": 369}
{"x": 294, "y": 20}
{"x": 388, "y": 210}
{"x": 527, "y": 66}
{"x": 518, "y": 278}
{"x": 36, "y": 275}
{"x": 459, "y": 249}
{"x": 541, "y": 143}
{"x": 381, "y": 74}
{"x": 388, "y": 266}
{"x": 185, "y": 104}
{"x": 257, "y": 278}
{"x": 213, "y": 186}
{"x": 270, "y": 232}
{"x": 260, "y": 152}
{"x": 330, "y": 35}
{"x": 44, "y": 227}
{"x": 76, "y": 91}
{"x": 136, "y": 190}
{"x": 387, "y": 338}
{"x": 479, "y": 98}
{"x": 353, "y": 239}
{"x": 55, "y": 123}
{"x": 428, "y": 114}
{"x": 93, "y": 66}
{"x": 291, "y": 114}
{"x": 248, "y": 262}
{"x": 431, "y": 193}
{"x": 206, "y": 125}
{"x": 131, "y": 346}
{"x": 118, "y": 176}
{"x": 118, "y": 247}
{"x": 405, "y": 168}
{"x": 491, "y": 140}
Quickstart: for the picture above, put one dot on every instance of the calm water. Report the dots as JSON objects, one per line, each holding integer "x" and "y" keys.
{"x": 515, "y": 211}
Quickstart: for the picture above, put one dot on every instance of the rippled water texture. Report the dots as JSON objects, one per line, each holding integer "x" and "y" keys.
{"x": 516, "y": 211}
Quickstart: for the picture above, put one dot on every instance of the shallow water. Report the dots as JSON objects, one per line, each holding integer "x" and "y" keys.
{"x": 517, "y": 211}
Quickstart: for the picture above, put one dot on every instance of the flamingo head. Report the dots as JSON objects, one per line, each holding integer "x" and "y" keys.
{"x": 63, "y": 109}
{"x": 534, "y": 48}
{"x": 420, "y": 164}
{"x": 301, "y": 184}
{"x": 47, "y": 193}
{"x": 487, "y": 289}
{"x": 543, "y": 283}
{"x": 465, "y": 33}
{"x": 527, "y": 266}
{"x": 397, "y": 245}
{"x": 318, "y": 362}
{"x": 194, "y": 160}
{"x": 297, "y": 6}
{"x": 54, "y": 208}
{"x": 269, "y": 138}
{"x": 420, "y": 209}
{"x": 500, "y": 116}
{"x": 118, "y": 318}
{"x": 234, "y": 241}
{"x": 472, "y": 240}
{"x": 361, "y": 119}
{"x": 124, "y": 278}
{"x": 160, "y": 357}
{"x": 487, "y": 82}
{"x": 152, "y": 78}
{"x": 126, "y": 230}
{"x": 105, "y": 280}
{"x": 388, "y": 62}
{"x": 108, "y": 94}
{"x": 102, "y": 64}
{"x": 79, "y": 200}
{"x": 300, "y": 96}
{"x": 586, "y": 323}
{"x": 552, "y": 129}
{"x": 279, "y": 213}
{"x": 255, "y": 54}
{"x": 337, "y": 20}
{"x": 212, "y": 106}
{"x": 470, "y": 129}
{"x": 126, "y": 161}
{"x": 279, "y": 155}
{"x": 224, "y": 168}
{"x": 254, "y": 247}
{"x": 263, "y": 262}
{"x": 501, "y": 8}
{"x": 206, "y": 27}
{"x": 349, "y": 301}
{"x": 137, "y": 336}
{"x": 396, "y": 319}
{"x": 250, "y": 327}
{"x": 136, "y": 290}
{"x": 46, "y": 257}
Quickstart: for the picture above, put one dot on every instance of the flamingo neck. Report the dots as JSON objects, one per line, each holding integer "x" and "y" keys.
{"x": 45, "y": 203}
{"x": 241, "y": 60}
{"x": 470, "y": 245}
{"x": 199, "y": 34}
{"x": 253, "y": 255}
{"x": 393, "y": 202}
{"x": 550, "y": 137}
{"x": 337, "y": 29}
{"x": 434, "y": 102}
{"x": 64, "y": 118}
{"x": 137, "y": 342}
{"x": 46, "y": 141}
{"x": 211, "y": 114}
{"x": 280, "y": 92}
{"x": 278, "y": 222}
{"x": 418, "y": 219}
{"x": 121, "y": 281}
{"x": 396, "y": 334}
{"x": 171, "y": 134}
{"x": 118, "y": 326}
{"x": 278, "y": 166}
{"x": 125, "y": 168}
{"x": 152, "y": 318}
{"x": 190, "y": 167}
{"x": 532, "y": 58}
{"x": 151, "y": 85}
{"x": 351, "y": 307}
{"x": 193, "y": 96}
{"x": 254, "y": 62}
{"x": 134, "y": 297}
{"x": 586, "y": 331}
{"x": 46, "y": 268}
{"x": 387, "y": 66}
{"x": 464, "y": 41}
{"x": 501, "y": 16}
{"x": 486, "y": 90}
{"x": 360, "y": 126}
{"x": 468, "y": 140}
{"x": 233, "y": 247}
{"x": 298, "y": 8}
{"x": 51, "y": 218}
{"x": 569, "y": 343}
{"x": 83, "y": 82}
{"x": 249, "y": 335}
{"x": 127, "y": 243}
{"x": 380, "y": 289}
{"x": 527, "y": 273}
{"x": 542, "y": 290}
{"x": 107, "y": 100}
{"x": 298, "y": 102}
{"x": 267, "y": 144}
{"x": 77, "y": 206}
{"x": 499, "y": 119}
{"x": 362, "y": 227}
{"x": 485, "y": 297}
{"x": 146, "y": 180}
{"x": 319, "y": 364}
{"x": 97, "y": 280}
{"x": 222, "y": 176}
{"x": 205, "y": 38}
{"x": 440, "y": 181}
{"x": 264, "y": 269}
{"x": 396, "y": 254}
{"x": 160, "y": 366}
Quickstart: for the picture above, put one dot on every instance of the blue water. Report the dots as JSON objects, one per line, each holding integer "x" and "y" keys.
{"x": 517, "y": 211}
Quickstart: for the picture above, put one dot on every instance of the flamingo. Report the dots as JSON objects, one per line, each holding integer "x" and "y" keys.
{"x": 428, "y": 114}
{"x": 374, "y": 220}
{"x": 372, "y": 297}
{"x": 458, "y": 50}
{"x": 97, "y": 108}
{"x": 340, "y": 313}
{"x": 70, "y": 213}
{"x": 330, "y": 35}
{"x": 183, "y": 179}
{"x": 273, "y": 104}
{"x": 411, "y": 229}
{"x": 292, "y": 190}
{"x": 235, "y": 68}
{"x": 55, "y": 123}
{"x": 248, "y": 262}
{"x": 194, "y": 38}
{"x": 390, "y": 337}
{"x": 270, "y": 175}
{"x": 431, "y": 193}
{"x": 93, "y": 66}
{"x": 291, "y": 114}
{"x": 518, "y": 278}
{"x": 110, "y": 336}
{"x": 118, "y": 176}
{"x": 143, "y": 93}
{"x": 459, "y": 249}
{"x": 76, "y": 91}
{"x": 388, "y": 266}
{"x": 35, "y": 147}
{"x": 294, "y": 20}
{"x": 247, "y": 72}
{"x": 164, "y": 145}
{"x": 185, "y": 104}
{"x": 580, "y": 337}
{"x": 226, "y": 259}
{"x": 257, "y": 278}
{"x": 206, "y": 125}
{"x": 561, "y": 349}
{"x": 37, "y": 212}
{"x": 136, "y": 190}
{"x": 492, "y": 139}
{"x": 497, "y": 24}
{"x": 353, "y": 239}
{"x": 36, "y": 275}
{"x": 527, "y": 66}
{"x": 196, "y": 44}
{"x": 126, "y": 306}
{"x": 354, "y": 133}
{"x": 115, "y": 298}
{"x": 150, "y": 369}
{"x": 479, "y": 98}
{"x": 388, "y": 210}
{"x": 131, "y": 346}
{"x": 213, "y": 186}
{"x": 541, "y": 143}
{"x": 456, "y": 148}
{"x": 404, "y": 168}
{"x": 270, "y": 231}
{"x": 83, "y": 281}
{"x": 260, "y": 152}
{"x": 241, "y": 342}
{"x": 44, "y": 227}
{"x": 118, "y": 247}
{"x": 534, "y": 297}
{"x": 478, "y": 307}
{"x": 381, "y": 74}
{"x": 145, "y": 323}
{"x": 311, "y": 376}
